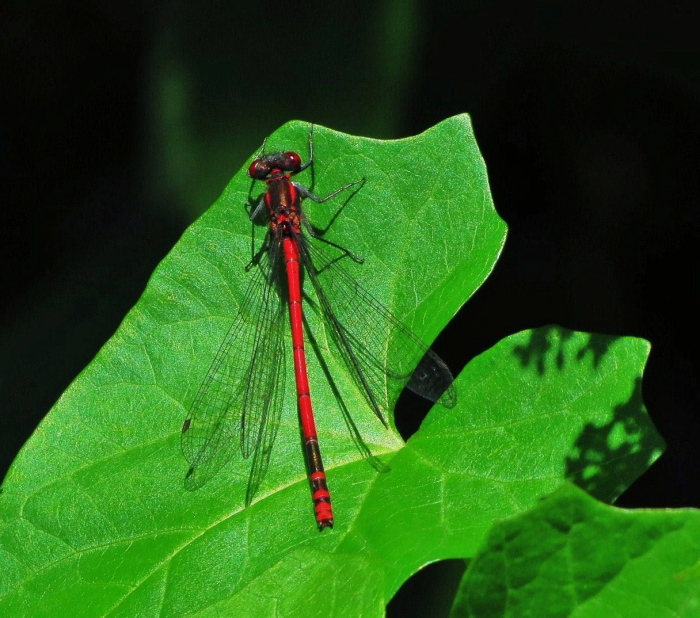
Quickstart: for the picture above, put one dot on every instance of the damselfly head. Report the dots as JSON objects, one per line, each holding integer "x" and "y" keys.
{"x": 262, "y": 167}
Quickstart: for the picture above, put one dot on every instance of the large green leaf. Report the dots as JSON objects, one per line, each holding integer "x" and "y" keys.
{"x": 95, "y": 519}
{"x": 534, "y": 410}
{"x": 573, "y": 556}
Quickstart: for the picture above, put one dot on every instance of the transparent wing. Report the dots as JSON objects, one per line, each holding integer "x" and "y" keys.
{"x": 239, "y": 400}
{"x": 363, "y": 329}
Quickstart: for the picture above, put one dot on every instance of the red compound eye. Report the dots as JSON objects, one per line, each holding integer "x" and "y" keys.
{"x": 292, "y": 161}
{"x": 259, "y": 169}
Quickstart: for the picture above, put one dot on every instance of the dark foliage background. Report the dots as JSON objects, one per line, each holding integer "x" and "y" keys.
{"x": 122, "y": 123}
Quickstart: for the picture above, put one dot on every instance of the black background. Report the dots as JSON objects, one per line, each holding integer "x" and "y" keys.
{"x": 588, "y": 117}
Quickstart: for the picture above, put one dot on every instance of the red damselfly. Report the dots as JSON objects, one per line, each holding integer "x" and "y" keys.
{"x": 240, "y": 401}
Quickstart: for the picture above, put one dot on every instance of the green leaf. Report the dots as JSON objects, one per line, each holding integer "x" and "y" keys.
{"x": 94, "y": 516}
{"x": 573, "y": 556}
{"x": 533, "y": 411}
